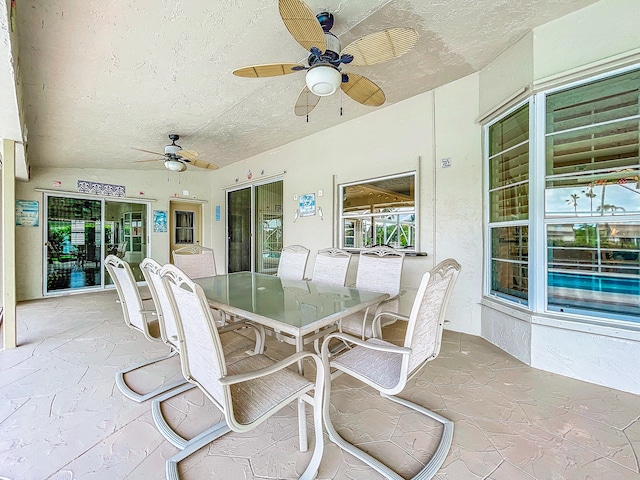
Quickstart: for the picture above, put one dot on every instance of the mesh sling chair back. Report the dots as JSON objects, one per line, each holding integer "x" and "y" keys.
{"x": 247, "y": 391}
{"x": 137, "y": 317}
{"x": 387, "y": 367}
{"x": 331, "y": 266}
{"x": 233, "y": 344}
{"x": 195, "y": 261}
{"x": 379, "y": 270}
{"x": 293, "y": 261}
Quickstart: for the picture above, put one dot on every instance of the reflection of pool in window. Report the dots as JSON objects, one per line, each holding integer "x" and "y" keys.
{"x": 598, "y": 293}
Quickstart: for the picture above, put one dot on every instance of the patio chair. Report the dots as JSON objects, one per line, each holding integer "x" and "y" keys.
{"x": 248, "y": 391}
{"x": 195, "y": 261}
{"x": 293, "y": 261}
{"x": 233, "y": 343}
{"x": 387, "y": 367}
{"x": 121, "y": 249}
{"x": 331, "y": 266}
{"x": 379, "y": 270}
{"x": 139, "y": 318}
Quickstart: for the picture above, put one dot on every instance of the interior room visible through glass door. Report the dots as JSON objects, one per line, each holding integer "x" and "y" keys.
{"x": 125, "y": 234}
{"x": 73, "y": 244}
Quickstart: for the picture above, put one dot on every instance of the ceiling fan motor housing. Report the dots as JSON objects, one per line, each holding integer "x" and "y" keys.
{"x": 173, "y": 148}
{"x": 331, "y": 54}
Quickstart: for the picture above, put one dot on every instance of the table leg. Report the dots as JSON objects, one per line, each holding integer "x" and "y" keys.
{"x": 299, "y": 348}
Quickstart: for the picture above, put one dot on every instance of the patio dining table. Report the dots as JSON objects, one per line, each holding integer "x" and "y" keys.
{"x": 298, "y": 311}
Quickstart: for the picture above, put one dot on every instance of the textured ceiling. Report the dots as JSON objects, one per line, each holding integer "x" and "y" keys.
{"x": 101, "y": 77}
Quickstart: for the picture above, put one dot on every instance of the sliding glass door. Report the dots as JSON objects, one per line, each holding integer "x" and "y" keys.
{"x": 74, "y": 242}
{"x": 80, "y": 232}
{"x": 254, "y": 226}
{"x": 126, "y": 226}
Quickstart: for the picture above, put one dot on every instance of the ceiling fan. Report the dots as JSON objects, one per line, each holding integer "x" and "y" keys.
{"x": 324, "y": 74}
{"x": 176, "y": 159}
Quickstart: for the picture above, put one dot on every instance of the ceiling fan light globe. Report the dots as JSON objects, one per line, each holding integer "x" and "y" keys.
{"x": 175, "y": 165}
{"x": 323, "y": 80}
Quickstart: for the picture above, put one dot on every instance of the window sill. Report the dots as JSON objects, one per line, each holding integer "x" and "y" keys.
{"x": 592, "y": 325}
{"x": 408, "y": 253}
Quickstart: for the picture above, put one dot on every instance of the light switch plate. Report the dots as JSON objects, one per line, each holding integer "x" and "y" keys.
{"x": 320, "y": 192}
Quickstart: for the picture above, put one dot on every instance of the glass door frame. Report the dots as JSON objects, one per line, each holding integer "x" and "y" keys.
{"x": 80, "y": 196}
{"x": 252, "y": 233}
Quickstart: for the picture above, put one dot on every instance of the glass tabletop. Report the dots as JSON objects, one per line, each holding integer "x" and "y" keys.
{"x": 295, "y": 303}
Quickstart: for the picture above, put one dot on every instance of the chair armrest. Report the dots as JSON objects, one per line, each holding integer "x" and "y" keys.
{"x": 243, "y": 377}
{"x": 361, "y": 343}
{"x": 238, "y": 325}
{"x": 375, "y": 323}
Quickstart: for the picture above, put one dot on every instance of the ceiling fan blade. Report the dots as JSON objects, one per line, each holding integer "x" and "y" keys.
{"x": 302, "y": 24}
{"x": 381, "y": 46}
{"x": 202, "y": 164}
{"x": 363, "y": 90}
{"x": 306, "y": 102}
{"x": 190, "y": 155}
{"x": 149, "y": 160}
{"x": 147, "y": 151}
{"x": 268, "y": 70}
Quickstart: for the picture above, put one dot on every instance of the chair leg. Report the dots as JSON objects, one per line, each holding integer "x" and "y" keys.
{"x": 194, "y": 445}
{"x": 426, "y": 473}
{"x": 141, "y": 397}
{"x": 439, "y": 456}
{"x": 302, "y": 425}
{"x": 161, "y": 423}
{"x": 312, "y": 468}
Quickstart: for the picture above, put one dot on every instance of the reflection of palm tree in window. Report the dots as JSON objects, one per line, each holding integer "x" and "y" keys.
{"x": 574, "y": 201}
{"x": 590, "y": 195}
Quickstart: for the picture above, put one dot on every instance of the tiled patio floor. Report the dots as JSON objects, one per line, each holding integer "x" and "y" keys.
{"x": 62, "y": 418}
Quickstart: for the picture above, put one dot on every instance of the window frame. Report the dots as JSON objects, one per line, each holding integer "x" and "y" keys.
{"x": 177, "y": 227}
{"x": 342, "y": 216}
{"x": 490, "y": 225}
{"x": 538, "y": 264}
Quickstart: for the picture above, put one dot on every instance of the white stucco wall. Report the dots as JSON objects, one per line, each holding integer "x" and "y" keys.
{"x": 417, "y": 132}
{"x": 600, "y": 31}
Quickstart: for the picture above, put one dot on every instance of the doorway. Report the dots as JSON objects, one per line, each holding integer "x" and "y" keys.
{"x": 185, "y": 225}
{"x": 81, "y": 232}
{"x": 254, "y": 226}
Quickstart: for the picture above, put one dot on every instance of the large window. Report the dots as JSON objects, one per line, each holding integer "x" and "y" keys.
{"x": 584, "y": 191}
{"x": 381, "y": 211}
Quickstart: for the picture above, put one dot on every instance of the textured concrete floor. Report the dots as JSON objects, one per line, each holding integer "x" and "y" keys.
{"x": 62, "y": 418}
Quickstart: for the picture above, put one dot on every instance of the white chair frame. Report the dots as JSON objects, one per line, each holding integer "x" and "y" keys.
{"x": 169, "y": 333}
{"x": 222, "y": 384}
{"x": 137, "y": 317}
{"x": 195, "y": 260}
{"x": 331, "y": 266}
{"x": 293, "y": 262}
{"x": 379, "y": 270}
{"x": 422, "y": 344}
